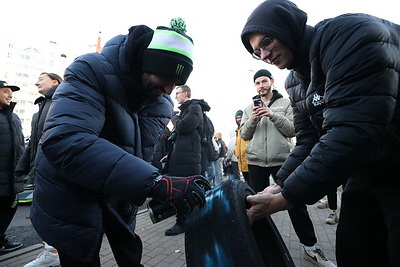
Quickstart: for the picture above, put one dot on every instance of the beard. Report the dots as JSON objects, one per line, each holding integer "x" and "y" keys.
{"x": 265, "y": 92}
{"x": 150, "y": 90}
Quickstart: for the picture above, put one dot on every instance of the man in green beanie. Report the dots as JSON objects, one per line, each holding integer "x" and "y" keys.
{"x": 93, "y": 164}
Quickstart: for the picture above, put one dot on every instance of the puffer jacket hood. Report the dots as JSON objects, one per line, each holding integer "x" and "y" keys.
{"x": 139, "y": 38}
{"x": 130, "y": 49}
{"x": 203, "y": 104}
{"x": 285, "y": 21}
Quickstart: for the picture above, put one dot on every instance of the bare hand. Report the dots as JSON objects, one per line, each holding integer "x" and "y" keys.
{"x": 272, "y": 189}
{"x": 254, "y": 113}
{"x": 265, "y": 204}
{"x": 258, "y": 112}
{"x": 164, "y": 159}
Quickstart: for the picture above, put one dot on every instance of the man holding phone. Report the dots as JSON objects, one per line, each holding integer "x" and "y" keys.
{"x": 268, "y": 123}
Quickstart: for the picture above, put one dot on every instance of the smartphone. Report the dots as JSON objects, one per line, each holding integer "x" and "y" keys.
{"x": 257, "y": 102}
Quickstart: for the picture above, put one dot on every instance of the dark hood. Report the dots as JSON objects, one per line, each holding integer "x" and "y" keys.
{"x": 139, "y": 38}
{"x": 275, "y": 95}
{"x": 284, "y": 20}
{"x": 203, "y": 104}
{"x": 125, "y": 52}
{"x": 48, "y": 95}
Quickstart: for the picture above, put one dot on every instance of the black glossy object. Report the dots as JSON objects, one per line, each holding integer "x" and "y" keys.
{"x": 159, "y": 211}
{"x": 220, "y": 234}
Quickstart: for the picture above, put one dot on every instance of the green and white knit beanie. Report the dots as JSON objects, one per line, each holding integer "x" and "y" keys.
{"x": 170, "y": 52}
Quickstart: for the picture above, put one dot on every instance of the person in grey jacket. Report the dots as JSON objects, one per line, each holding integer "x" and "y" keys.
{"x": 345, "y": 92}
{"x": 269, "y": 129}
{"x": 268, "y": 149}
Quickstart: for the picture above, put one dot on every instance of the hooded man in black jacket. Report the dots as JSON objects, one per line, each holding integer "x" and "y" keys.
{"x": 344, "y": 86}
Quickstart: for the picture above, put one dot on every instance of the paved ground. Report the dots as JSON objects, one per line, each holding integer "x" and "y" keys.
{"x": 160, "y": 250}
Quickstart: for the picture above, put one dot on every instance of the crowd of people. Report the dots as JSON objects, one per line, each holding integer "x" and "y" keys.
{"x": 113, "y": 109}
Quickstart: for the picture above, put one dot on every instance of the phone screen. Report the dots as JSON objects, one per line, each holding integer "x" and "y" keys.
{"x": 257, "y": 102}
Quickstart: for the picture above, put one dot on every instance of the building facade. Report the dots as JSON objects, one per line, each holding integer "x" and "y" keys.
{"x": 22, "y": 61}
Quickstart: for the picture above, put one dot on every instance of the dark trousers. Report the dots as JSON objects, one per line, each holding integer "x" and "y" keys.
{"x": 259, "y": 176}
{"x": 246, "y": 177}
{"x": 302, "y": 224}
{"x": 181, "y": 216}
{"x": 67, "y": 261}
{"x": 127, "y": 253}
{"x": 6, "y": 215}
{"x": 127, "y": 247}
{"x": 368, "y": 233}
{"x": 332, "y": 198}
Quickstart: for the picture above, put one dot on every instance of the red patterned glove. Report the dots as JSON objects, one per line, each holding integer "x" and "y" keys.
{"x": 183, "y": 191}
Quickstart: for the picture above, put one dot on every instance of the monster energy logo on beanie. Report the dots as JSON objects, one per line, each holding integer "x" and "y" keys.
{"x": 170, "y": 52}
{"x": 179, "y": 69}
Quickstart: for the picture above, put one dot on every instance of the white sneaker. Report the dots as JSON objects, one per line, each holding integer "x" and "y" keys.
{"x": 317, "y": 257}
{"x": 45, "y": 259}
{"x": 322, "y": 204}
{"x": 332, "y": 218}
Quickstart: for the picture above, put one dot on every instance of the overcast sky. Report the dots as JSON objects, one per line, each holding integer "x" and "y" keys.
{"x": 223, "y": 69}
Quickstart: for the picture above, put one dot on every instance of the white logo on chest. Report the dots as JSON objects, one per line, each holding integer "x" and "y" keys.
{"x": 318, "y": 100}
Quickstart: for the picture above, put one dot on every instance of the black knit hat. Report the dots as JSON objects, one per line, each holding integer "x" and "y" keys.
{"x": 170, "y": 52}
{"x": 262, "y": 72}
{"x": 239, "y": 113}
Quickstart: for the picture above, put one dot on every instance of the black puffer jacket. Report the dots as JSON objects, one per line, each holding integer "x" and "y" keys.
{"x": 185, "y": 159}
{"x": 11, "y": 149}
{"x": 25, "y": 164}
{"x": 97, "y": 143}
{"x": 347, "y": 113}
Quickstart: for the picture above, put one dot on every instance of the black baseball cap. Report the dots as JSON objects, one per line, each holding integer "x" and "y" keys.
{"x": 4, "y": 84}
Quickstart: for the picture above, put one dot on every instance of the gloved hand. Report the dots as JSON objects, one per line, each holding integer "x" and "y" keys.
{"x": 186, "y": 192}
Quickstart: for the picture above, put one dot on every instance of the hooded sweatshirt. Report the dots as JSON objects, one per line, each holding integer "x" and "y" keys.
{"x": 345, "y": 95}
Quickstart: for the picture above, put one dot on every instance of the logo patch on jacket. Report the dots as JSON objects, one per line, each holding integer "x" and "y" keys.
{"x": 318, "y": 100}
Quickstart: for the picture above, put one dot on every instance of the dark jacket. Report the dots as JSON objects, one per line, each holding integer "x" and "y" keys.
{"x": 347, "y": 113}
{"x": 98, "y": 140}
{"x": 185, "y": 159}
{"x": 11, "y": 149}
{"x": 25, "y": 164}
{"x": 222, "y": 148}
{"x": 163, "y": 147}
